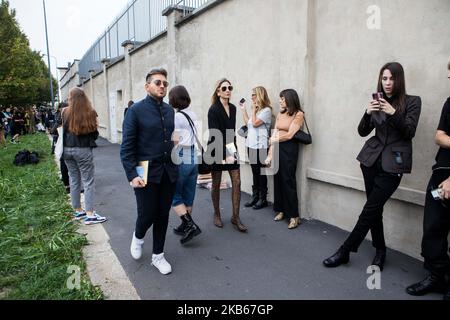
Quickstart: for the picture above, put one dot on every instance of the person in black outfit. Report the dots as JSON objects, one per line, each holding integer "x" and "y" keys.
{"x": 130, "y": 104}
{"x": 436, "y": 222}
{"x": 147, "y": 136}
{"x": 384, "y": 159}
{"x": 223, "y": 149}
{"x": 54, "y": 132}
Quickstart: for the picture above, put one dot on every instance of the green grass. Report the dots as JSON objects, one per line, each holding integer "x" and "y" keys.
{"x": 38, "y": 240}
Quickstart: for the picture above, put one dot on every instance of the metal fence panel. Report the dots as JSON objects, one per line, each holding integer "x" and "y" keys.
{"x": 141, "y": 21}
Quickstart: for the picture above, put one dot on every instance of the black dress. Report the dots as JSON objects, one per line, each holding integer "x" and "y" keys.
{"x": 218, "y": 119}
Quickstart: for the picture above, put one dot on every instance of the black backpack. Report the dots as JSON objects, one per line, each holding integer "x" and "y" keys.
{"x": 26, "y": 157}
{"x": 22, "y": 158}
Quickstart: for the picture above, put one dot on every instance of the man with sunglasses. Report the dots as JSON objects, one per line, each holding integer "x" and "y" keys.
{"x": 436, "y": 223}
{"x": 147, "y": 138}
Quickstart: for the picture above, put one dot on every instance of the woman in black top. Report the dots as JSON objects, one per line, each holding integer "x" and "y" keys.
{"x": 223, "y": 149}
{"x": 79, "y": 121}
{"x": 384, "y": 158}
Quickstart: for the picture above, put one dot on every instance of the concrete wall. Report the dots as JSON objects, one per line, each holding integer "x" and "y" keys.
{"x": 69, "y": 79}
{"x": 347, "y": 57}
{"x": 325, "y": 50}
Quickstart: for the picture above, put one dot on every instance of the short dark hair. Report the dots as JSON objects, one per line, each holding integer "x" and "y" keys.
{"x": 179, "y": 98}
{"x": 130, "y": 103}
{"x": 153, "y": 72}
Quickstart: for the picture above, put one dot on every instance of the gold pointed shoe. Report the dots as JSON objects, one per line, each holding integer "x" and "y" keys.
{"x": 279, "y": 217}
{"x": 295, "y": 222}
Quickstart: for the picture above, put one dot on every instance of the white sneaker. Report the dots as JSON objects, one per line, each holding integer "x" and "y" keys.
{"x": 160, "y": 263}
{"x": 136, "y": 248}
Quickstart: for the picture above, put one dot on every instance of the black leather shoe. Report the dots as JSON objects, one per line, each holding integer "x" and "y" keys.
{"x": 254, "y": 200}
{"x": 428, "y": 285}
{"x": 447, "y": 295}
{"x": 380, "y": 259}
{"x": 262, "y": 203}
{"x": 342, "y": 256}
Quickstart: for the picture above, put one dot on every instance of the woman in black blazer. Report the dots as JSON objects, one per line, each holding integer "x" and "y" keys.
{"x": 384, "y": 159}
{"x": 222, "y": 127}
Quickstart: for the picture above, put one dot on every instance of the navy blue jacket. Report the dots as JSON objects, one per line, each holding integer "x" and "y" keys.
{"x": 147, "y": 136}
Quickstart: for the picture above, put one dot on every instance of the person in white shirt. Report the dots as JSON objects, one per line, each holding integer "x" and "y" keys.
{"x": 257, "y": 143}
{"x": 185, "y": 141}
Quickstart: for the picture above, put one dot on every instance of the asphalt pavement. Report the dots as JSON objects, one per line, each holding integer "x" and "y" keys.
{"x": 269, "y": 262}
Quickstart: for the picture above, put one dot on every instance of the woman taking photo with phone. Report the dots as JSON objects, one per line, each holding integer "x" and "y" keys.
{"x": 289, "y": 122}
{"x": 257, "y": 143}
{"x": 222, "y": 126}
{"x": 384, "y": 159}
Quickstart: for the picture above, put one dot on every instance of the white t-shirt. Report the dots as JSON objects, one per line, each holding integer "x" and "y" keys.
{"x": 258, "y": 138}
{"x": 183, "y": 129}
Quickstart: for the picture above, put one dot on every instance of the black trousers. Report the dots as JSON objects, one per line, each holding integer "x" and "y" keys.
{"x": 380, "y": 186}
{"x": 64, "y": 173}
{"x": 153, "y": 206}
{"x": 285, "y": 184}
{"x": 257, "y": 158}
{"x": 436, "y": 227}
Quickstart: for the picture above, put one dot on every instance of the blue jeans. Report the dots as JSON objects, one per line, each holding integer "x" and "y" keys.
{"x": 187, "y": 178}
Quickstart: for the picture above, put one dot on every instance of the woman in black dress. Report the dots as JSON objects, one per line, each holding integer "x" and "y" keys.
{"x": 223, "y": 149}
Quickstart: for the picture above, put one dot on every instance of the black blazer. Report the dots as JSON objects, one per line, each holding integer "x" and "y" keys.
{"x": 219, "y": 120}
{"x": 147, "y": 136}
{"x": 393, "y": 138}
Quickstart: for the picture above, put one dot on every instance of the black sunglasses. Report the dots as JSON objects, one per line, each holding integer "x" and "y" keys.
{"x": 224, "y": 89}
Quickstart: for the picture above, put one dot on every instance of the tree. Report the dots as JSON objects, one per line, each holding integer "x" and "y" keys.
{"x": 23, "y": 73}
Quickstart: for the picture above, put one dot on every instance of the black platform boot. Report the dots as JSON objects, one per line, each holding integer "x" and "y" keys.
{"x": 191, "y": 230}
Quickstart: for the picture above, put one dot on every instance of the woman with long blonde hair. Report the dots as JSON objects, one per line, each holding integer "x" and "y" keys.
{"x": 79, "y": 120}
{"x": 257, "y": 143}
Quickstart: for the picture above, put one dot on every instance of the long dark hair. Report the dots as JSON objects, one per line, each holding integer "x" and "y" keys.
{"x": 292, "y": 101}
{"x": 399, "y": 90}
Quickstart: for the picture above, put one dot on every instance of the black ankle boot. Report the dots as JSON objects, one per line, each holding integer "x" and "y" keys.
{"x": 191, "y": 230}
{"x": 254, "y": 200}
{"x": 262, "y": 203}
{"x": 180, "y": 229}
{"x": 447, "y": 295}
{"x": 430, "y": 284}
{"x": 379, "y": 259}
{"x": 342, "y": 256}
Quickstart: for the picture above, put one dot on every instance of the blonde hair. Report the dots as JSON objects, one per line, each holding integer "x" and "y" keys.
{"x": 219, "y": 83}
{"x": 80, "y": 116}
{"x": 262, "y": 98}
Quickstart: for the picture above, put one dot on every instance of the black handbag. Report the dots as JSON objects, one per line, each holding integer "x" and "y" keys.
{"x": 243, "y": 131}
{"x": 203, "y": 167}
{"x": 303, "y": 137}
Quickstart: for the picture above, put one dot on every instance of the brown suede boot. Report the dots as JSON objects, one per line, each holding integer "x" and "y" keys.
{"x": 238, "y": 224}
{"x": 218, "y": 221}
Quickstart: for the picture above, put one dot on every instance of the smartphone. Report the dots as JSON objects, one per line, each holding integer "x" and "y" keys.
{"x": 378, "y": 96}
{"x": 436, "y": 194}
{"x": 242, "y": 101}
